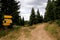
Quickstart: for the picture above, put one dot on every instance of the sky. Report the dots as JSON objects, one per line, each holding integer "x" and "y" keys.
{"x": 26, "y": 6}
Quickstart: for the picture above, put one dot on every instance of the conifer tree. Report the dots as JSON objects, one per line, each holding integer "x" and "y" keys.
{"x": 10, "y": 7}
{"x": 57, "y": 11}
{"x": 54, "y": 9}
{"x": 50, "y": 15}
{"x": 1, "y": 15}
{"x": 22, "y": 21}
{"x": 46, "y": 18}
{"x": 32, "y": 17}
{"x": 39, "y": 17}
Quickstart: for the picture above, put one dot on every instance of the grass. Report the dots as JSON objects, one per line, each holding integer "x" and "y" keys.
{"x": 54, "y": 30}
{"x": 2, "y": 33}
{"x": 13, "y": 34}
{"x": 16, "y": 32}
{"x": 58, "y": 22}
{"x": 7, "y": 31}
{"x": 32, "y": 27}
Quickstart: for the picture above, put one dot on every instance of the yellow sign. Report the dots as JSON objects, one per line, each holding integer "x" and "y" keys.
{"x": 7, "y": 20}
{"x": 7, "y": 16}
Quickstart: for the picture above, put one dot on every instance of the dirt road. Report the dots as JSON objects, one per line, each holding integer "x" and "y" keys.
{"x": 38, "y": 33}
{"x": 26, "y": 33}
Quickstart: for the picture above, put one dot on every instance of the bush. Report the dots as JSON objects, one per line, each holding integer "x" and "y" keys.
{"x": 58, "y": 22}
{"x": 2, "y": 33}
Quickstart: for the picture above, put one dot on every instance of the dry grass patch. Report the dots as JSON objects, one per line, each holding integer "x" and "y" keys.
{"x": 54, "y": 29}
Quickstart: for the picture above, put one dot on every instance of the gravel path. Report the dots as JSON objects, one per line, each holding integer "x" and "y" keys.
{"x": 37, "y": 34}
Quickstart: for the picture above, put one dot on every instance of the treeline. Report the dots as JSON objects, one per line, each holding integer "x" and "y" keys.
{"x": 35, "y": 18}
{"x": 10, "y": 7}
{"x": 52, "y": 11}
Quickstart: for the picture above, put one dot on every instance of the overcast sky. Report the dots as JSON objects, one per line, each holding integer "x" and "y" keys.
{"x": 26, "y": 6}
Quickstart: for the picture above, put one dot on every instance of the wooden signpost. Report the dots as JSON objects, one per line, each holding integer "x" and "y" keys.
{"x": 7, "y": 20}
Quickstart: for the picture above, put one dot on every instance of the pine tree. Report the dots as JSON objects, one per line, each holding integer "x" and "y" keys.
{"x": 46, "y": 18}
{"x": 10, "y": 7}
{"x": 50, "y": 15}
{"x": 32, "y": 17}
{"x": 39, "y": 17}
{"x": 54, "y": 9}
{"x": 1, "y": 15}
{"x": 57, "y": 9}
{"x": 21, "y": 21}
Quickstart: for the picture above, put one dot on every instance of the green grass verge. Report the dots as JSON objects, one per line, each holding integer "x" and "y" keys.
{"x": 2, "y": 33}
{"x": 54, "y": 30}
{"x": 7, "y": 31}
